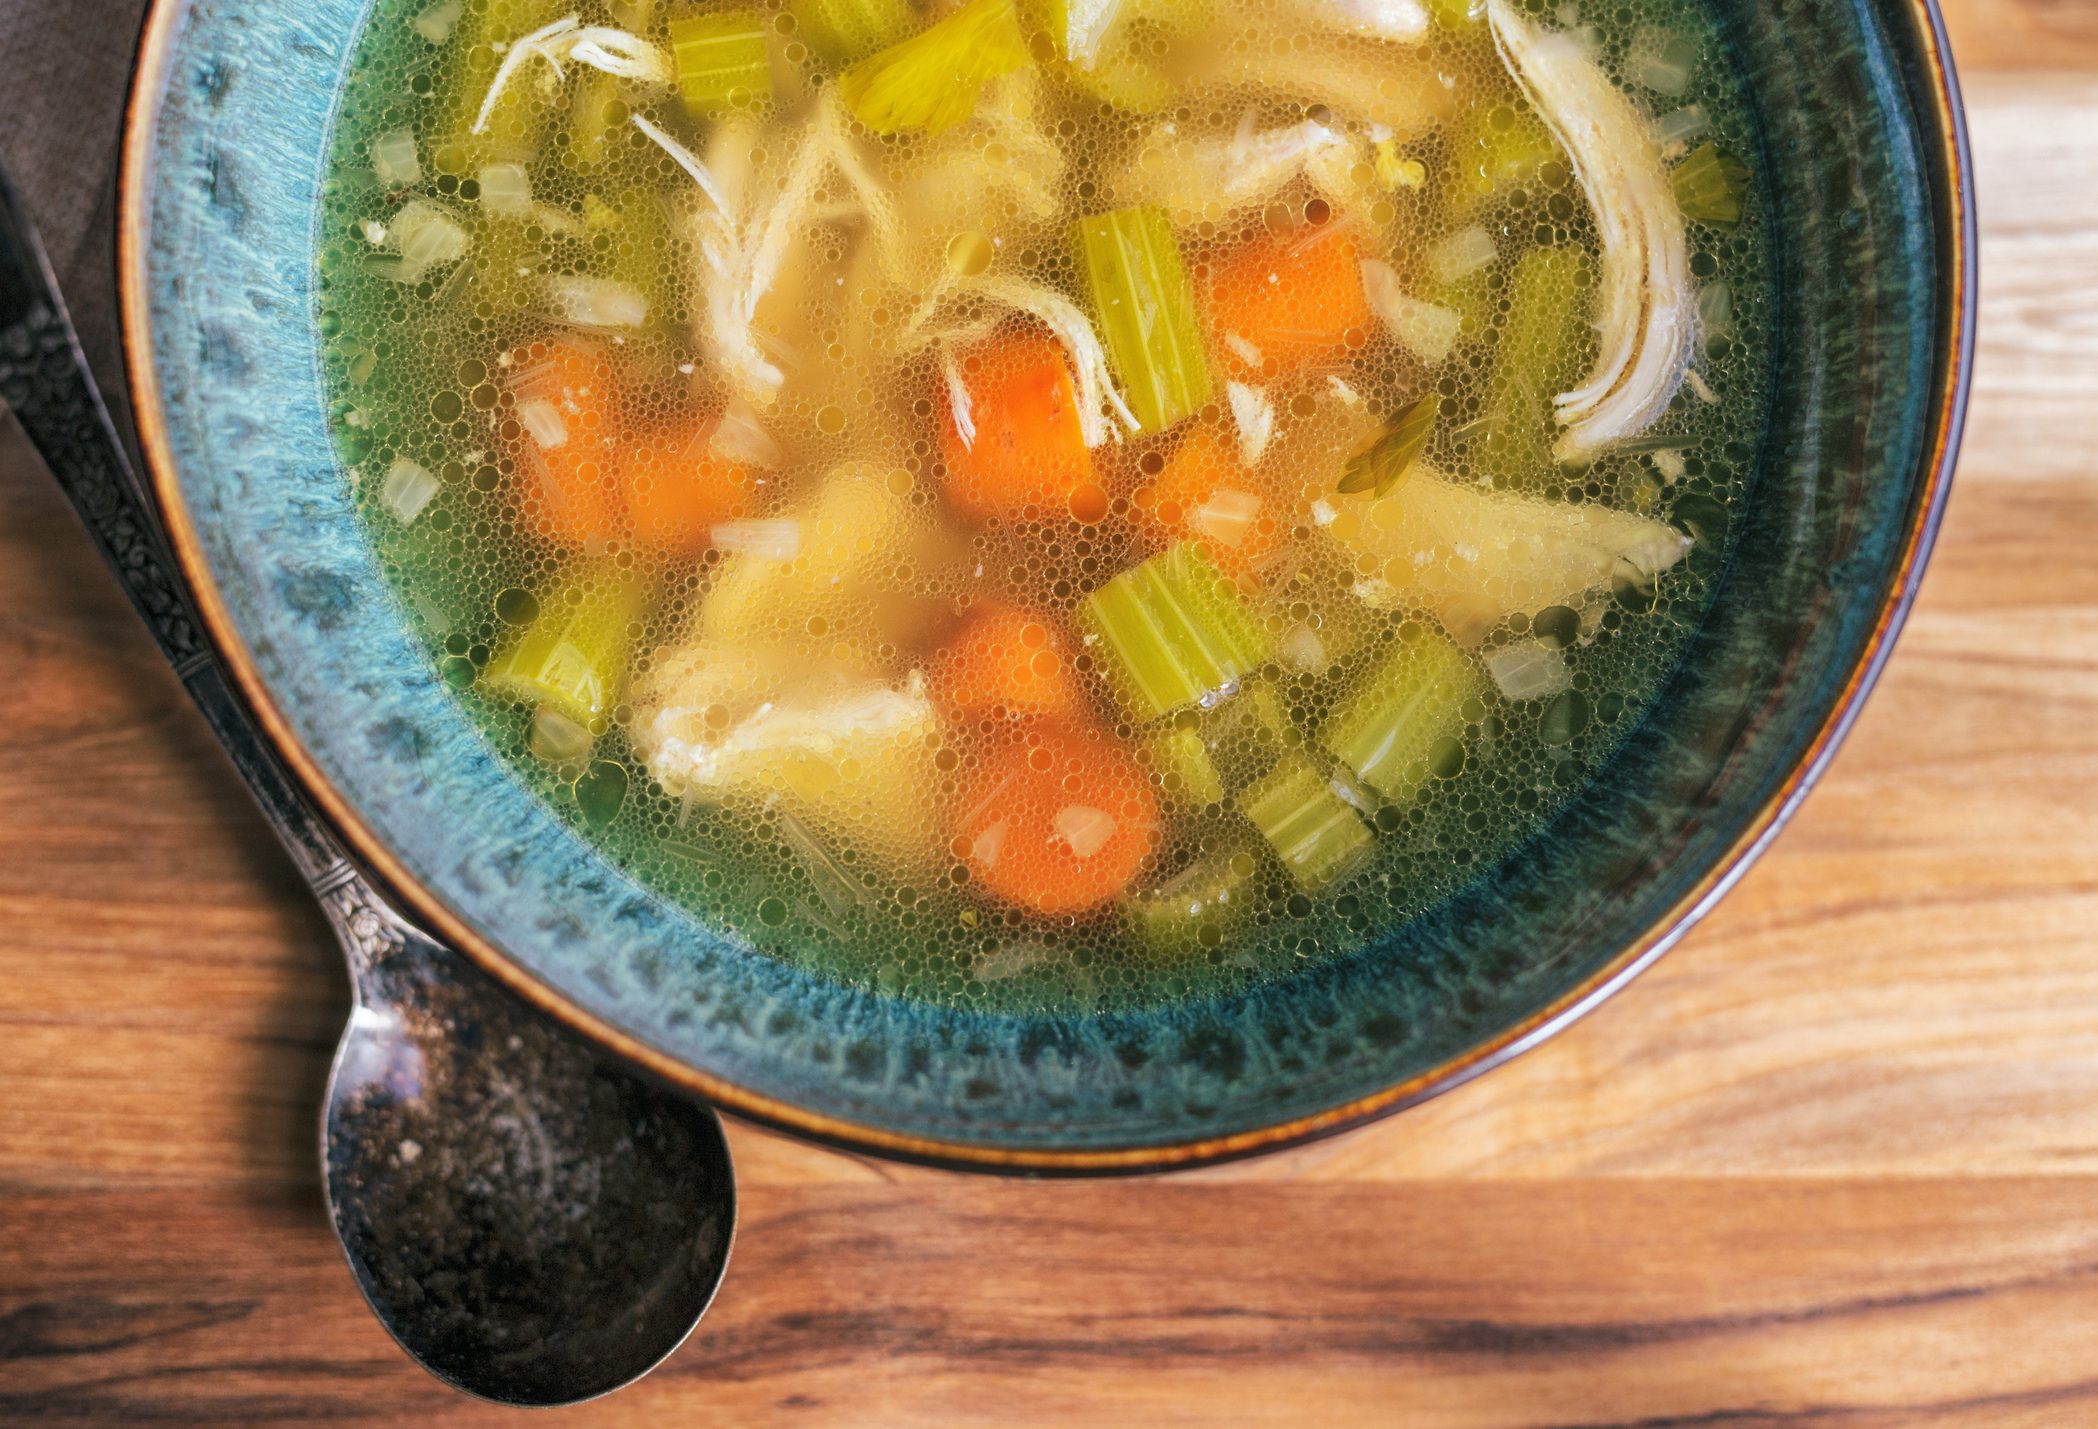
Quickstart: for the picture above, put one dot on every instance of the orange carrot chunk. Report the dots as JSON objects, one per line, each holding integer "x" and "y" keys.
{"x": 1027, "y": 449}
{"x": 677, "y": 488}
{"x": 1059, "y": 819}
{"x": 1005, "y": 660}
{"x": 1281, "y": 304}
{"x": 566, "y": 407}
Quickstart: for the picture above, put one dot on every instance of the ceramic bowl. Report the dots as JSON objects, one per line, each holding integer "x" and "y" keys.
{"x": 1863, "y": 152}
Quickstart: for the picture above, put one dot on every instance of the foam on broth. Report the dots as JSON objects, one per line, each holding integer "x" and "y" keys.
{"x": 887, "y": 881}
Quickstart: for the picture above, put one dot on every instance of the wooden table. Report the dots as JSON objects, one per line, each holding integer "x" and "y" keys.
{"x": 1835, "y": 1160}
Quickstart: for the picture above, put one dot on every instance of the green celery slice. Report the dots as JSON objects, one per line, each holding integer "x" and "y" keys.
{"x": 1543, "y": 348}
{"x": 1314, "y": 831}
{"x": 842, "y": 31}
{"x": 1710, "y": 185}
{"x": 1146, "y": 306}
{"x": 722, "y": 61}
{"x": 932, "y": 80}
{"x": 573, "y": 657}
{"x": 1198, "y": 904}
{"x": 1172, "y": 632}
{"x": 1412, "y": 699}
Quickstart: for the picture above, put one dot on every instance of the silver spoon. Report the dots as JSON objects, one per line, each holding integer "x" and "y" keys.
{"x": 531, "y": 1224}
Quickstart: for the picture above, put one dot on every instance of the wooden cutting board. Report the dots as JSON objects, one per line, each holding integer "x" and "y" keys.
{"x": 1834, "y": 1161}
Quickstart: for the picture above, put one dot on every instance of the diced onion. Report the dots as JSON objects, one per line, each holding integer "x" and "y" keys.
{"x": 555, "y": 738}
{"x": 1302, "y": 649}
{"x": 541, "y": 419}
{"x": 435, "y": 24}
{"x": 394, "y": 159}
{"x": 1662, "y": 60}
{"x": 1243, "y": 350}
{"x": 1255, "y": 416}
{"x": 506, "y": 190}
{"x": 1528, "y": 670}
{"x": 740, "y": 437}
{"x": 1680, "y": 126}
{"x": 1427, "y": 330}
{"x": 1462, "y": 254}
{"x": 1085, "y": 828}
{"x": 599, "y": 302}
{"x": 1715, "y": 308}
{"x": 768, "y": 540}
{"x": 1227, "y": 516}
{"x": 985, "y": 847}
{"x": 426, "y": 236}
{"x": 408, "y": 488}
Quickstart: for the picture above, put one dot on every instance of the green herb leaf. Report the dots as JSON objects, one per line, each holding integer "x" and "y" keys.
{"x": 1383, "y": 464}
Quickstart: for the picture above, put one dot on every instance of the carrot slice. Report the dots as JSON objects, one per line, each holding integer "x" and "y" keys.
{"x": 567, "y": 409}
{"x": 1027, "y": 449}
{"x": 1005, "y": 659}
{"x": 1281, "y": 304}
{"x": 676, "y": 488}
{"x": 1059, "y": 818}
{"x": 1206, "y": 494}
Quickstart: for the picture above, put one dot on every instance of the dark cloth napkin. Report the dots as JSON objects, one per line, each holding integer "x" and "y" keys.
{"x": 65, "y": 69}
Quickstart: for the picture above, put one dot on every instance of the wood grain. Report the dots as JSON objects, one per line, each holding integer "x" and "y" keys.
{"x": 1833, "y": 1161}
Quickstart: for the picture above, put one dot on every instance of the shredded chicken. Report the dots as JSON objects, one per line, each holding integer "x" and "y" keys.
{"x": 1472, "y": 555}
{"x": 598, "y": 46}
{"x": 744, "y": 230}
{"x": 1646, "y": 311}
{"x": 1208, "y": 175}
{"x": 959, "y": 403}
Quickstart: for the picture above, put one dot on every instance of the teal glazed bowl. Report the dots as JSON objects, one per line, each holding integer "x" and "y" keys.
{"x": 1865, "y": 162}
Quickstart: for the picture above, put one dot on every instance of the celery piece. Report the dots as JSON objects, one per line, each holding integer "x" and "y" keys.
{"x": 1317, "y": 834}
{"x": 1199, "y": 904}
{"x": 1146, "y": 307}
{"x": 1542, "y": 347}
{"x": 842, "y": 31}
{"x": 721, "y": 61}
{"x": 1410, "y": 700}
{"x": 932, "y": 80}
{"x": 1172, "y": 632}
{"x": 1183, "y": 761}
{"x": 572, "y": 659}
{"x": 1384, "y": 463}
{"x": 1709, "y": 186}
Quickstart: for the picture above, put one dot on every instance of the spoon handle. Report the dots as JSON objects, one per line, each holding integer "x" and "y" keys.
{"x": 45, "y": 382}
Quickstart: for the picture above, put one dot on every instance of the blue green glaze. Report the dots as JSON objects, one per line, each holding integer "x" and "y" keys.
{"x": 1857, "y": 161}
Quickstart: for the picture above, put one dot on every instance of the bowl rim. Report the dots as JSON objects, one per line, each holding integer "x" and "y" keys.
{"x": 1957, "y": 324}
